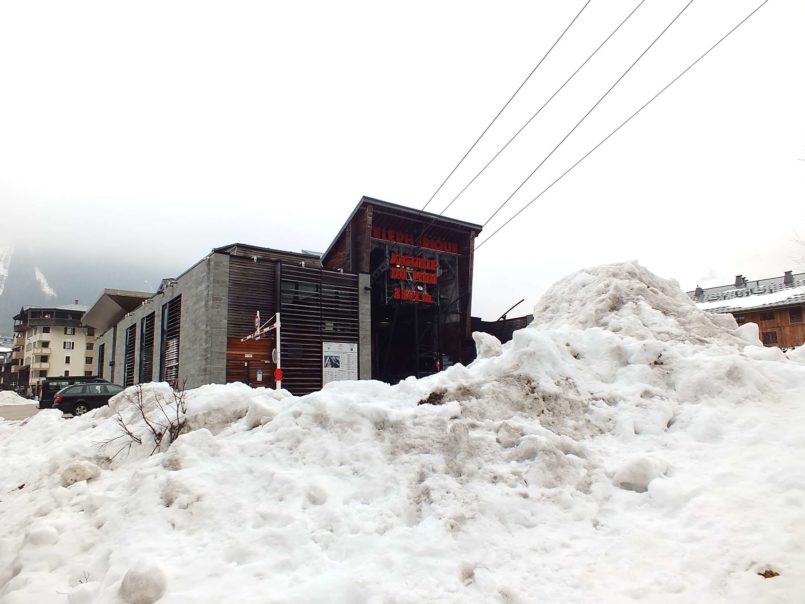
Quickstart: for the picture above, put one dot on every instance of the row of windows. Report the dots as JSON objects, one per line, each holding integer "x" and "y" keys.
{"x": 794, "y": 316}
{"x": 43, "y": 373}
{"x": 68, "y": 345}
{"x": 68, "y": 331}
{"x": 45, "y": 358}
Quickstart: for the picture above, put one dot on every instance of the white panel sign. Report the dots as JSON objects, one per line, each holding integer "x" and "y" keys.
{"x": 339, "y": 361}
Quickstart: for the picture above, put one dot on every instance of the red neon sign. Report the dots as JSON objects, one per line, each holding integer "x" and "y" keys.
{"x": 408, "y": 239}
{"x": 412, "y": 295}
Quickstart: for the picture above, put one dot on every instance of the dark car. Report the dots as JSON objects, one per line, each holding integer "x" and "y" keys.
{"x": 80, "y": 398}
{"x": 52, "y": 385}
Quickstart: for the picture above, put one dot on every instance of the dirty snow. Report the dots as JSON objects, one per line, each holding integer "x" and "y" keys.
{"x": 626, "y": 447}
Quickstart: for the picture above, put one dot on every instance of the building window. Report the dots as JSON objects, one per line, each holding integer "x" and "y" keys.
{"x": 43, "y": 344}
{"x": 87, "y": 373}
{"x": 66, "y": 373}
{"x": 767, "y": 316}
{"x": 146, "y": 362}
{"x": 46, "y": 329}
{"x": 69, "y": 345}
{"x": 128, "y": 355}
{"x": 43, "y": 358}
{"x": 87, "y": 360}
{"x": 795, "y": 314}
{"x": 101, "y": 350}
{"x": 740, "y": 319}
{"x": 66, "y": 360}
{"x": 769, "y": 337}
{"x": 90, "y": 345}
{"x": 90, "y": 331}
{"x": 69, "y": 331}
{"x": 169, "y": 341}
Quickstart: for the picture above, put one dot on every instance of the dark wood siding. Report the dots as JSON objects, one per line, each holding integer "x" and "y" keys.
{"x": 315, "y": 305}
{"x": 251, "y": 288}
{"x": 300, "y": 308}
{"x": 250, "y": 362}
{"x": 782, "y": 326}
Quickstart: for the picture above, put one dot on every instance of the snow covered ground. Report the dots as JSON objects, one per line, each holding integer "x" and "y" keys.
{"x": 7, "y": 397}
{"x": 626, "y": 447}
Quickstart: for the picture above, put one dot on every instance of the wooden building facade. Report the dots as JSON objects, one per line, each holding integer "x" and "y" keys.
{"x": 775, "y": 304}
{"x": 390, "y": 298}
{"x": 417, "y": 268}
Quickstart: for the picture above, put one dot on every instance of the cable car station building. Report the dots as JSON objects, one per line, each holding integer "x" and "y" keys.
{"x": 390, "y": 298}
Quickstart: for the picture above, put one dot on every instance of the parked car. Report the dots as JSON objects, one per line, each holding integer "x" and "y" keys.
{"x": 52, "y": 385}
{"x": 80, "y": 398}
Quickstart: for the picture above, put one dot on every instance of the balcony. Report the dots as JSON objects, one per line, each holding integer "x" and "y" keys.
{"x": 17, "y": 355}
{"x": 40, "y": 365}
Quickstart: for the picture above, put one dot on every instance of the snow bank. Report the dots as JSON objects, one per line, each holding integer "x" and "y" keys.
{"x": 624, "y": 447}
{"x": 7, "y": 397}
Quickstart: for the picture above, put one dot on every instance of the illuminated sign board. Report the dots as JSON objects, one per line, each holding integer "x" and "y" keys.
{"x": 416, "y": 270}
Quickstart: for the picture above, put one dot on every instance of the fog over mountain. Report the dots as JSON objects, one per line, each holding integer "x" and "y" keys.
{"x": 31, "y": 278}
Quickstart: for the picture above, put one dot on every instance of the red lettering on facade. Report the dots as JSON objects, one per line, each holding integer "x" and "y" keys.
{"x": 407, "y": 238}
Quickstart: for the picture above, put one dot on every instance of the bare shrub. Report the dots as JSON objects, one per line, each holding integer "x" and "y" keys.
{"x": 158, "y": 424}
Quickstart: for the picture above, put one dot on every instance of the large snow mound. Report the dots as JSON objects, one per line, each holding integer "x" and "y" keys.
{"x": 628, "y": 299}
{"x": 622, "y": 448}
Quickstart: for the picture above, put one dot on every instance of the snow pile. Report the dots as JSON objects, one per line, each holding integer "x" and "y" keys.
{"x": 625, "y": 447}
{"x": 7, "y": 397}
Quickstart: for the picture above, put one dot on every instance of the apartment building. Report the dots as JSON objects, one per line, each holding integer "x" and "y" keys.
{"x": 50, "y": 342}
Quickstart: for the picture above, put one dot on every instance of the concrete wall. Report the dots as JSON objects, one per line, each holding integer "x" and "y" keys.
{"x": 364, "y": 326}
{"x": 202, "y": 339}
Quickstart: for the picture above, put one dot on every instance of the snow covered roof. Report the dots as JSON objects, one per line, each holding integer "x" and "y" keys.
{"x": 746, "y": 295}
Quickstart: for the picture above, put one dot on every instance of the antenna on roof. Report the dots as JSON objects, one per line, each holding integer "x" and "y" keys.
{"x": 503, "y": 316}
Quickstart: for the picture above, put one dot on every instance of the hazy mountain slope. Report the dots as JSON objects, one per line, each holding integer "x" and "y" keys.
{"x": 69, "y": 277}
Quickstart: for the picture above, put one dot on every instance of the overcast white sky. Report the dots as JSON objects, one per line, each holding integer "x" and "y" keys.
{"x": 168, "y": 128}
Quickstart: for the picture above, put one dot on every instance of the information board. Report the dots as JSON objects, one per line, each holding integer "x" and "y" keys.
{"x": 339, "y": 361}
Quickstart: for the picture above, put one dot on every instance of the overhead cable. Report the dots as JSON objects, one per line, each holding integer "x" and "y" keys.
{"x": 504, "y": 106}
{"x": 605, "y": 139}
{"x": 598, "y": 102}
{"x": 545, "y": 104}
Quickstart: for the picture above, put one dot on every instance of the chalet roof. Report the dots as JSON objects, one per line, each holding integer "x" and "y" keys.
{"x": 404, "y": 212}
{"x": 78, "y": 307}
{"x": 745, "y": 295}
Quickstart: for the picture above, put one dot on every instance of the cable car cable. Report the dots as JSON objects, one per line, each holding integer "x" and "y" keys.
{"x": 598, "y": 102}
{"x": 545, "y": 104}
{"x": 667, "y": 86}
{"x": 504, "y": 106}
